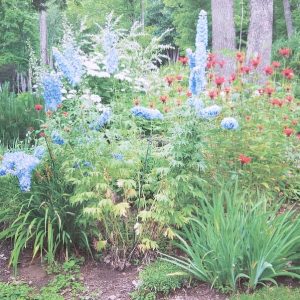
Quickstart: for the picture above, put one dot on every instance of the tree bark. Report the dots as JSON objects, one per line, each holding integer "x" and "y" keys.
{"x": 143, "y": 13}
{"x": 223, "y": 33}
{"x": 43, "y": 37}
{"x": 288, "y": 17}
{"x": 260, "y": 32}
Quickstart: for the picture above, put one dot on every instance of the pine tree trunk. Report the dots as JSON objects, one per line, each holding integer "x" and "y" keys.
{"x": 288, "y": 17}
{"x": 43, "y": 37}
{"x": 223, "y": 33}
{"x": 260, "y": 32}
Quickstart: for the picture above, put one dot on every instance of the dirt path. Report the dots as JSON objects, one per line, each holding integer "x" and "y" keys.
{"x": 100, "y": 281}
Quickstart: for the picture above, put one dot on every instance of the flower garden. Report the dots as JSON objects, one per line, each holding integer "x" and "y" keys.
{"x": 122, "y": 159}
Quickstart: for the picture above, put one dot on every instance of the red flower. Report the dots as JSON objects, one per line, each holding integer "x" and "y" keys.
{"x": 285, "y": 52}
{"x": 222, "y": 63}
{"x": 42, "y": 134}
{"x": 163, "y": 99}
{"x": 166, "y": 109}
{"x": 211, "y": 57}
{"x": 269, "y": 91}
{"x": 255, "y": 61}
{"x": 38, "y": 107}
{"x": 298, "y": 135}
{"x": 248, "y": 118}
{"x": 288, "y": 131}
{"x": 211, "y": 76}
{"x": 179, "y": 77}
{"x": 232, "y": 78}
{"x": 169, "y": 80}
{"x": 261, "y": 91}
{"x": 212, "y": 94}
{"x": 65, "y": 113}
{"x": 189, "y": 94}
{"x": 211, "y": 64}
{"x": 277, "y": 102}
{"x": 219, "y": 81}
{"x": 268, "y": 70}
{"x": 240, "y": 57}
{"x": 180, "y": 89}
{"x": 288, "y": 73}
{"x": 289, "y": 98}
{"x": 244, "y": 159}
{"x": 184, "y": 60}
{"x": 294, "y": 122}
{"x": 276, "y": 64}
{"x": 245, "y": 70}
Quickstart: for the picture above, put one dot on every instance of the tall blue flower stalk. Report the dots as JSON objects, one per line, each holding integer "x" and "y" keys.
{"x": 197, "y": 80}
{"x": 51, "y": 91}
{"x": 69, "y": 63}
{"x": 110, "y": 40}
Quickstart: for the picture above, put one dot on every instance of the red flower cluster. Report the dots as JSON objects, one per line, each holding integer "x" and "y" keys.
{"x": 255, "y": 62}
{"x": 219, "y": 81}
{"x": 38, "y": 107}
{"x": 288, "y": 73}
{"x": 285, "y": 52}
{"x": 244, "y": 159}
{"x": 240, "y": 57}
{"x": 184, "y": 60}
{"x": 277, "y": 102}
{"x": 276, "y": 64}
{"x": 212, "y": 94}
{"x": 268, "y": 70}
{"x": 170, "y": 80}
{"x": 288, "y": 131}
{"x": 163, "y": 99}
{"x": 245, "y": 69}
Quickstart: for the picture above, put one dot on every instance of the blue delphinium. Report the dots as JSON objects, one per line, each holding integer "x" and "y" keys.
{"x": 210, "y": 112}
{"x": 147, "y": 113}
{"x": 196, "y": 103}
{"x": 191, "y": 57}
{"x": 39, "y": 152}
{"x": 52, "y": 91}
{"x": 118, "y": 156}
{"x": 229, "y": 124}
{"x": 56, "y": 138}
{"x": 197, "y": 80}
{"x": 21, "y": 165}
{"x": 104, "y": 119}
{"x": 69, "y": 63}
{"x": 110, "y": 40}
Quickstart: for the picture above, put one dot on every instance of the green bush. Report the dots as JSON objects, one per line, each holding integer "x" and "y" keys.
{"x": 15, "y": 291}
{"x": 233, "y": 240}
{"x": 159, "y": 277}
{"x": 18, "y": 115}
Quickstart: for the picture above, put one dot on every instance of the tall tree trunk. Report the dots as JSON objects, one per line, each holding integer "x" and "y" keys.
{"x": 223, "y": 32}
{"x": 43, "y": 36}
{"x": 143, "y": 13}
{"x": 288, "y": 17}
{"x": 260, "y": 31}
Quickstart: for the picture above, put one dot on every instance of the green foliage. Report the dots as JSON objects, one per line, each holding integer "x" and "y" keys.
{"x": 18, "y": 24}
{"x": 45, "y": 217}
{"x": 18, "y": 115}
{"x": 271, "y": 293}
{"x": 233, "y": 240}
{"x": 15, "y": 291}
{"x": 157, "y": 278}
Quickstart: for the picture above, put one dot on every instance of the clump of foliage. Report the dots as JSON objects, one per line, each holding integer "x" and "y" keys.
{"x": 15, "y": 291}
{"x": 233, "y": 240}
{"x": 160, "y": 277}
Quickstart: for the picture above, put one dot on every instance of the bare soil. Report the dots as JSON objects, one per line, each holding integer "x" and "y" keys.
{"x": 101, "y": 281}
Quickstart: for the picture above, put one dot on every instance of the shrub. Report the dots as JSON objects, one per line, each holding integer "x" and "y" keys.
{"x": 159, "y": 277}
{"x": 234, "y": 240}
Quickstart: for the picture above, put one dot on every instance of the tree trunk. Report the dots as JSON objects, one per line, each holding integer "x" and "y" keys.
{"x": 223, "y": 33}
{"x": 143, "y": 13}
{"x": 288, "y": 17}
{"x": 43, "y": 37}
{"x": 260, "y": 32}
